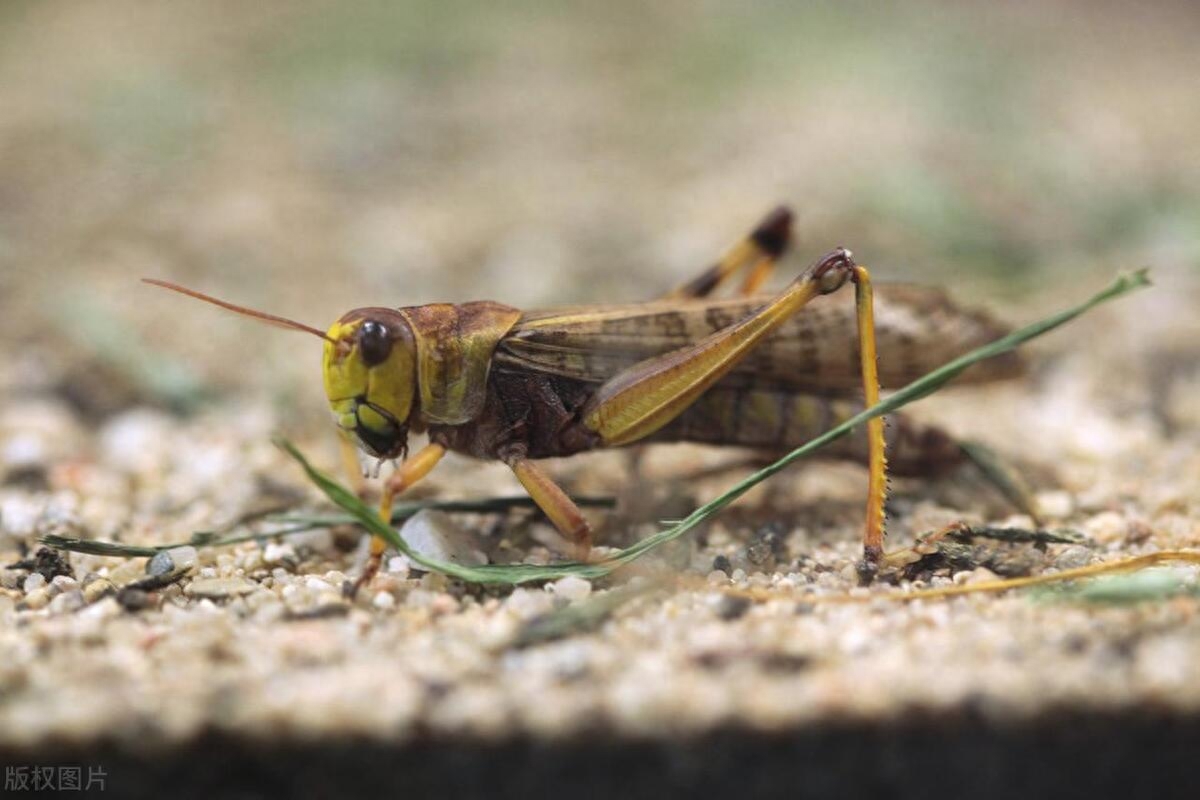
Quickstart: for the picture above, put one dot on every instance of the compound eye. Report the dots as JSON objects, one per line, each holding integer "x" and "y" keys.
{"x": 374, "y": 343}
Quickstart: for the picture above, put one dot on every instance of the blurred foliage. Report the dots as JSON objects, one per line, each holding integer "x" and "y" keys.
{"x": 310, "y": 156}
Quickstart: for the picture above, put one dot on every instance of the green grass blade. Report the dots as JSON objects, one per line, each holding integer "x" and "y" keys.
{"x": 490, "y": 573}
{"x": 301, "y": 523}
{"x": 524, "y": 573}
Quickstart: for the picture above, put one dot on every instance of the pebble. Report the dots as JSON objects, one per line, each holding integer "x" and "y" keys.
{"x": 384, "y": 601}
{"x": 36, "y": 433}
{"x": 250, "y": 560}
{"x": 973, "y": 576}
{"x": 19, "y": 515}
{"x": 36, "y": 599}
{"x": 279, "y": 553}
{"x": 399, "y": 565}
{"x": 217, "y": 588}
{"x": 34, "y": 582}
{"x": 184, "y": 557}
{"x": 97, "y": 589}
{"x": 160, "y": 564}
{"x": 1055, "y": 504}
{"x": 101, "y": 611}
{"x": 572, "y": 588}
{"x": 317, "y": 585}
{"x": 137, "y": 441}
{"x": 765, "y": 547}
{"x": 135, "y": 599}
{"x": 67, "y": 602}
{"x": 527, "y": 603}
{"x": 64, "y": 583}
{"x": 126, "y": 571}
{"x": 319, "y": 540}
{"x": 1106, "y": 527}
{"x": 434, "y": 534}
{"x": 1074, "y": 556}
{"x": 730, "y": 607}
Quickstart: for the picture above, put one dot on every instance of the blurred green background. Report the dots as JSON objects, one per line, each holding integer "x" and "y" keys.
{"x": 308, "y": 157}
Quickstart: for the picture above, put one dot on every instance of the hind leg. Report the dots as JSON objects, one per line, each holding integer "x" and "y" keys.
{"x": 759, "y": 252}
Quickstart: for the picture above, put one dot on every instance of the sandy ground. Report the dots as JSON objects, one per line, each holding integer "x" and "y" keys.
{"x": 304, "y": 163}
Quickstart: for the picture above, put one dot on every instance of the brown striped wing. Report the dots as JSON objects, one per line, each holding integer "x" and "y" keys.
{"x": 816, "y": 351}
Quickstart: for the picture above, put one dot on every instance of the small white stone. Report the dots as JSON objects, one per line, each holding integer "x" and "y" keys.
{"x": 434, "y": 534}
{"x": 1107, "y": 527}
{"x": 250, "y": 560}
{"x": 126, "y": 571}
{"x": 1055, "y": 504}
{"x": 572, "y": 588}
{"x": 419, "y": 598}
{"x": 384, "y": 601}
{"x": 527, "y": 603}
{"x": 399, "y": 565}
{"x": 19, "y": 516}
{"x": 856, "y": 640}
{"x": 975, "y": 576}
{"x": 1074, "y": 556}
{"x": 317, "y": 585}
{"x": 67, "y": 602}
{"x": 185, "y": 556}
{"x": 160, "y": 564}
{"x": 34, "y": 582}
{"x": 100, "y": 611}
{"x": 319, "y": 540}
{"x": 24, "y": 450}
{"x": 36, "y": 432}
{"x": 219, "y": 587}
{"x": 137, "y": 441}
{"x": 64, "y": 583}
{"x": 97, "y": 589}
{"x": 275, "y": 552}
{"x": 38, "y": 598}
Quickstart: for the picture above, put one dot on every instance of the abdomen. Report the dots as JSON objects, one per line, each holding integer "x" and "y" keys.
{"x": 779, "y": 421}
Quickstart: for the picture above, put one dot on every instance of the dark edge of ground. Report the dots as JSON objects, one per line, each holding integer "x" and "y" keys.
{"x": 1062, "y": 755}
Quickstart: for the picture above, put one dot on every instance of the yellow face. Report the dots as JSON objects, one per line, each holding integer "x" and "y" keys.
{"x": 370, "y": 379}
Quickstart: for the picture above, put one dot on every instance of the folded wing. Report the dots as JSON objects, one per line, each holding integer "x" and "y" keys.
{"x": 919, "y": 329}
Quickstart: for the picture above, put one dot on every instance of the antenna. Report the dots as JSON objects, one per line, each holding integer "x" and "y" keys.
{"x": 261, "y": 316}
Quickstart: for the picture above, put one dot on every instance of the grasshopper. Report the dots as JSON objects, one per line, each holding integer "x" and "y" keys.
{"x": 494, "y": 382}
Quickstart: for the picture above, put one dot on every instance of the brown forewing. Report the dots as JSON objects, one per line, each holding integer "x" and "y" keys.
{"x": 918, "y": 330}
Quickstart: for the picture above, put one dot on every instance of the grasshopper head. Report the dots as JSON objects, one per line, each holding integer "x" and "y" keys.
{"x": 369, "y": 367}
{"x": 370, "y": 378}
